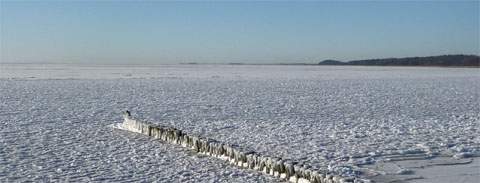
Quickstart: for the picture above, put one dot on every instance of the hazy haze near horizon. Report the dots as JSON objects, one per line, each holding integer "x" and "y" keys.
{"x": 224, "y": 32}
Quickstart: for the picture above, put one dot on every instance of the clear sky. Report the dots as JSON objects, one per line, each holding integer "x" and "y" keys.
{"x": 224, "y": 32}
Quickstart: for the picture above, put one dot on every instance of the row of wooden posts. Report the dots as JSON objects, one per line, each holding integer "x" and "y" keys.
{"x": 277, "y": 167}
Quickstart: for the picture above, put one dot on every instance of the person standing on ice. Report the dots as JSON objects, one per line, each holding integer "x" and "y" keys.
{"x": 126, "y": 114}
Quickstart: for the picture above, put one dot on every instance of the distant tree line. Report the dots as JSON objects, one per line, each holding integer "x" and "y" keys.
{"x": 443, "y": 60}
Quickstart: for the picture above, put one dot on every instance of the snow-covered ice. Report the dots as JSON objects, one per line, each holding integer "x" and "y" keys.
{"x": 55, "y": 118}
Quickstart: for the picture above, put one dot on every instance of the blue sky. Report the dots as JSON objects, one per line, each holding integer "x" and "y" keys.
{"x": 223, "y": 32}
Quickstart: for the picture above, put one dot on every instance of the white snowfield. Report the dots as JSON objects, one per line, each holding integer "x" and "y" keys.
{"x": 348, "y": 120}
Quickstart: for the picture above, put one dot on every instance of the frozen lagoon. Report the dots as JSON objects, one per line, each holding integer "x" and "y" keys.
{"x": 55, "y": 118}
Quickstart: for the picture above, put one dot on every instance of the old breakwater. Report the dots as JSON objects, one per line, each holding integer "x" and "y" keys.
{"x": 296, "y": 172}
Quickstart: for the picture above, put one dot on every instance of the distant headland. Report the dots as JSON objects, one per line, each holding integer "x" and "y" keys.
{"x": 442, "y": 60}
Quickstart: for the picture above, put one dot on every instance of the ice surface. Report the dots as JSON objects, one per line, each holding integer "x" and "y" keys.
{"x": 54, "y": 118}
{"x": 437, "y": 170}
